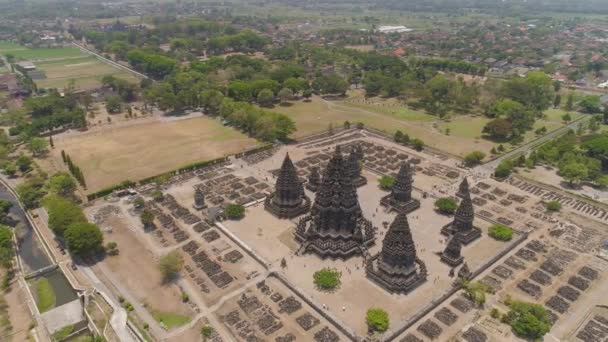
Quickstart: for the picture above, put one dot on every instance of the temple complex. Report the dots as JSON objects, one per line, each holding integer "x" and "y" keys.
{"x": 462, "y": 227}
{"x": 335, "y": 227}
{"x": 199, "y": 200}
{"x": 288, "y": 200}
{"x": 397, "y": 268}
{"x": 451, "y": 255}
{"x": 314, "y": 180}
{"x": 400, "y": 199}
{"x": 353, "y": 166}
{"x": 463, "y": 188}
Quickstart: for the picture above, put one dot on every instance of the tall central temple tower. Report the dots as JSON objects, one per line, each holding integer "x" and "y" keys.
{"x": 336, "y": 227}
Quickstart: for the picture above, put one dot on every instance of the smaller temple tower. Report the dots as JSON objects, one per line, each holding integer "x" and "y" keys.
{"x": 400, "y": 199}
{"x": 353, "y": 166}
{"x": 451, "y": 255}
{"x": 314, "y": 179}
{"x": 462, "y": 227}
{"x": 199, "y": 199}
{"x": 397, "y": 268}
{"x": 288, "y": 200}
{"x": 463, "y": 188}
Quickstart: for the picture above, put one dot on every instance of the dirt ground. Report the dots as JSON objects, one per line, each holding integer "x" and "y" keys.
{"x": 113, "y": 154}
{"x": 19, "y": 313}
{"x": 135, "y": 268}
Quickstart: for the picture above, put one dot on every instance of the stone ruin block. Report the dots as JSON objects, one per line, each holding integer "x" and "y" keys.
{"x": 504, "y": 221}
{"x": 474, "y": 335}
{"x": 446, "y": 316}
{"x": 601, "y": 319}
{"x": 492, "y": 282}
{"x": 551, "y": 268}
{"x": 553, "y": 317}
{"x": 201, "y": 227}
{"x": 452, "y": 174}
{"x": 211, "y": 236}
{"x": 478, "y": 201}
{"x": 502, "y": 271}
{"x": 499, "y": 192}
{"x": 276, "y": 297}
{"x": 515, "y": 263}
{"x": 588, "y": 273}
{"x": 536, "y": 246}
{"x": 529, "y": 288}
{"x": 483, "y": 186}
{"x": 307, "y": 321}
{"x": 558, "y": 304}
{"x": 290, "y": 305}
{"x": 568, "y": 293}
{"x": 489, "y": 197}
{"x": 541, "y": 277}
{"x": 526, "y": 254}
{"x": 233, "y": 256}
{"x": 289, "y": 337}
{"x": 411, "y": 338}
{"x": 430, "y": 329}
{"x": 593, "y": 331}
{"x": 505, "y": 202}
{"x": 462, "y": 304}
{"x": 579, "y": 283}
{"x": 326, "y": 335}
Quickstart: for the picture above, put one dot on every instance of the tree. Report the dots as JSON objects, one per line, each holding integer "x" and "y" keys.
{"x": 327, "y": 279}
{"x": 38, "y": 146}
{"x": 554, "y": 206}
{"x": 29, "y": 195}
{"x": 534, "y": 91}
{"x": 83, "y": 239}
{"x": 569, "y": 102}
{"x": 503, "y": 170}
{"x": 566, "y": 118}
{"x": 170, "y": 265}
{"x": 147, "y": 218}
{"x": 10, "y": 169}
{"x": 417, "y": 144}
{"x": 398, "y": 136}
{"x": 557, "y": 101}
{"x": 7, "y": 250}
{"x": 501, "y": 232}
{"x": 285, "y": 94}
{"x": 61, "y": 184}
{"x": 265, "y": 97}
{"x": 474, "y": 158}
{"x": 446, "y": 205}
{"x": 499, "y": 129}
{"x": 591, "y": 104}
{"x": 62, "y": 213}
{"x": 476, "y": 292}
{"x": 112, "y": 248}
{"x": 573, "y": 172}
{"x": 5, "y": 207}
{"x": 528, "y": 320}
{"x": 211, "y": 100}
{"x": 24, "y": 163}
{"x": 113, "y": 104}
{"x": 235, "y": 211}
{"x": 377, "y": 320}
{"x": 386, "y": 183}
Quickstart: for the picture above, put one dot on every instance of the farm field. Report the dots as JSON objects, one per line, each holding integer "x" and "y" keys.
{"x": 25, "y": 53}
{"x": 111, "y": 155}
{"x": 85, "y": 71}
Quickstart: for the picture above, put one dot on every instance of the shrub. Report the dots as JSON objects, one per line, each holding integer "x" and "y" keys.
{"x": 446, "y": 205}
{"x": 386, "y": 183}
{"x": 503, "y": 170}
{"x": 157, "y": 195}
{"x": 501, "y": 232}
{"x": 554, "y": 206}
{"x": 327, "y": 279}
{"x": 235, "y": 211}
{"x": 474, "y": 158}
{"x": 170, "y": 265}
{"x": 377, "y": 319}
{"x": 528, "y": 320}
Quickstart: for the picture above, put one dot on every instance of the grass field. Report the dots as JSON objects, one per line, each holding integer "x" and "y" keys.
{"x": 112, "y": 155}
{"x": 45, "y": 295}
{"x": 86, "y": 72}
{"x": 171, "y": 320}
{"x": 25, "y": 53}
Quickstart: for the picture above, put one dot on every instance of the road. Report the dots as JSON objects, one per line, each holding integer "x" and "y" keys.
{"x": 112, "y": 63}
{"x": 491, "y": 166}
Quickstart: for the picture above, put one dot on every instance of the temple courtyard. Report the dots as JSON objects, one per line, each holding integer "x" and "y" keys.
{"x": 318, "y": 204}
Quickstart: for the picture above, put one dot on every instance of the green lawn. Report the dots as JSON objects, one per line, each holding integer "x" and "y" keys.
{"x": 401, "y": 112}
{"x": 24, "y": 53}
{"x": 465, "y": 126}
{"x": 171, "y": 320}
{"x": 45, "y": 295}
{"x": 63, "y": 333}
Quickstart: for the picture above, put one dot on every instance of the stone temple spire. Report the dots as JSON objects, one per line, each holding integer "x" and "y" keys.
{"x": 462, "y": 226}
{"x": 463, "y": 188}
{"x": 353, "y": 166}
{"x": 400, "y": 198}
{"x": 314, "y": 179}
{"x": 396, "y": 267}
{"x": 335, "y": 227}
{"x": 288, "y": 200}
{"x": 451, "y": 255}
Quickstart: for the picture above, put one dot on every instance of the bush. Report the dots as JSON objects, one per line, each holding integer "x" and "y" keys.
{"x": 235, "y": 211}
{"x": 474, "y": 158}
{"x": 157, "y": 195}
{"x": 377, "y": 320}
{"x": 528, "y": 320}
{"x": 503, "y": 170}
{"x": 170, "y": 265}
{"x": 446, "y": 205}
{"x": 501, "y": 232}
{"x": 327, "y": 279}
{"x": 554, "y": 206}
{"x": 417, "y": 144}
{"x": 386, "y": 183}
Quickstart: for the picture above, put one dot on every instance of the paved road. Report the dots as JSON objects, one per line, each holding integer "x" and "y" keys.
{"x": 490, "y": 166}
{"x": 117, "y": 65}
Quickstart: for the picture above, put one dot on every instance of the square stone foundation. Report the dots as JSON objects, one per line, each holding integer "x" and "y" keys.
{"x": 400, "y": 207}
{"x": 465, "y": 238}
